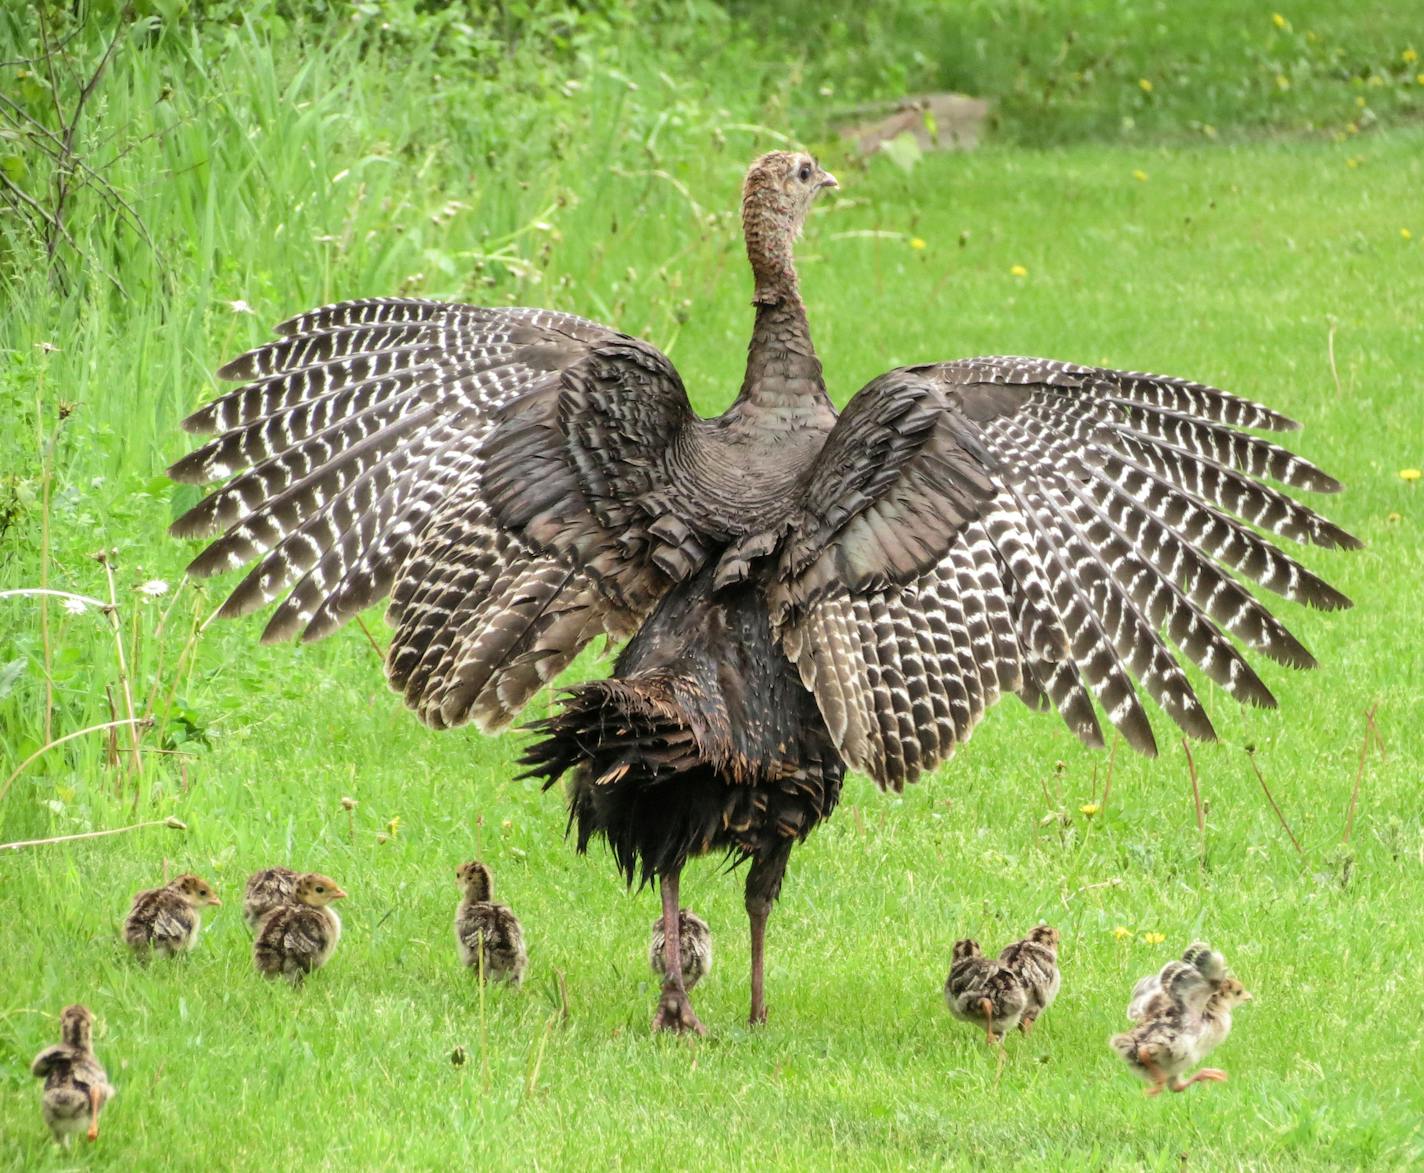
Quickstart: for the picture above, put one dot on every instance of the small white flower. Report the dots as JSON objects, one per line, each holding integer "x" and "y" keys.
{"x": 75, "y": 606}
{"x": 239, "y": 307}
{"x": 154, "y": 587}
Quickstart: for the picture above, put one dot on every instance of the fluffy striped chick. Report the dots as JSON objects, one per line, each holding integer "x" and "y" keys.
{"x": 488, "y": 935}
{"x": 268, "y": 889}
{"x": 1193, "y": 1019}
{"x": 1148, "y": 1000}
{"x": 984, "y": 991}
{"x": 295, "y": 939}
{"x": 1034, "y": 961}
{"x": 694, "y": 947}
{"x": 167, "y": 920}
{"x": 76, "y": 1087}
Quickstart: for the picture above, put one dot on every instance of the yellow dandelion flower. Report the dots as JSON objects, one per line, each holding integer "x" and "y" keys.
{"x": 1282, "y": 82}
{"x": 1089, "y": 809}
{"x": 1140, "y": 175}
{"x": 1360, "y": 101}
{"x": 1154, "y": 938}
{"x": 1410, "y": 474}
{"x": 1144, "y": 85}
{"x": 1352, "y": 128}
{"x": 1279, "y": 21}
{"x": 1122, "y": 933}
{"x": 1393, "y": 518}
{"x": 1406, "y": 234}
{"x": 1419, "y": 78}
{"x": 1409, "y": 57}
{"x": 1019, "y": 271}
{"x": 917, "y": 243}
{"x": 394, "y": 825}
{"x": 1352, "y": 162}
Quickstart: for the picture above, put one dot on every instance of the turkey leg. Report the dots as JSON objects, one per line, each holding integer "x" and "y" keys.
{"x": 674, "y": 1006}
{"x": 763, "y": 887}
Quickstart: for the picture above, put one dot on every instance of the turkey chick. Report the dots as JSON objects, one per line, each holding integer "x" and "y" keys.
{"x": 1189, "y": 1018}
{"x": 167, "y": 920}
{"x": 1147, "y": 993}
{"x": 984, "y": 991}
{"x": 1034, "y": 961}
{"x": 76, "y": 1087}
{"x": 295, "y": 939}
{"x": 694, "y": 944}
{"x": 266, "y": 890}
{"x": 488, "y": 935}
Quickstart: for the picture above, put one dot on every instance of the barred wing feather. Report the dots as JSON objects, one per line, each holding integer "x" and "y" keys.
{"x": 1008, "y": 525}
{"x": 354, "y": 456}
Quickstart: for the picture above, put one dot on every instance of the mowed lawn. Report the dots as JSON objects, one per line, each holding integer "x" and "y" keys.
{"x": 1246, "y": 266}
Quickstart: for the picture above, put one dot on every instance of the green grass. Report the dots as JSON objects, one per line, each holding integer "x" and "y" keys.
{"x": 1228, "y": 263}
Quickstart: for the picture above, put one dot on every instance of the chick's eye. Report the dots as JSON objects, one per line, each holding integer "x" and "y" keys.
{"x": 319, "y": 888}
{"x": 805, "y": 173}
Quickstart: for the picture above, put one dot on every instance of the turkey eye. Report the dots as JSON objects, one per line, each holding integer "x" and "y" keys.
{"x": 805, "y": 172}
{"x": 319, "y": 888}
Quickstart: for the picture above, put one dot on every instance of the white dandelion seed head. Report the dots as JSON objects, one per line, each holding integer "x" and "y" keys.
{"x": 239, "y": 307}
{"x": 75, "y": 606}
{"x": 154, "y": 587}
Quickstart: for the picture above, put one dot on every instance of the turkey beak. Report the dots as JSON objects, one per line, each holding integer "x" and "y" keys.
{"x": 338, "y": 894}
{"x": 828, "y": 180}
{"x": 213, "y": 899}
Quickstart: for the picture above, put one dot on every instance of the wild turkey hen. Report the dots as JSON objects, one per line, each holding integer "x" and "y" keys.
{"x": 806, "y": 592}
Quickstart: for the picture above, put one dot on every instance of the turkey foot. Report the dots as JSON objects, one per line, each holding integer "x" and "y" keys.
{"x": 675, "y": 1012}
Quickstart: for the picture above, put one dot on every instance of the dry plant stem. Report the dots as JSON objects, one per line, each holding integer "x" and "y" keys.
{"x": 1371, "y": 734}
{"x": 1261, "y": 778}
{"x": 371, "y": 639}
{"x": 533, "y": 1081}
{"x": 46, "y": 457}
{"x": 49, "y": 745}
{"x": 1196, "y": 795}
{"x": 137, "y": 758}
{"x": 170, "y": 822}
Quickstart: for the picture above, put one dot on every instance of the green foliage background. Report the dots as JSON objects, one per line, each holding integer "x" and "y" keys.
{"x": 1250, "y": 215}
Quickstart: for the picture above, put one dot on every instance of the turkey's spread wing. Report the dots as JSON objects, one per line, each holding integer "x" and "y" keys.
{"x": 1117, "y": 507}
{"x": 355, "y": 457}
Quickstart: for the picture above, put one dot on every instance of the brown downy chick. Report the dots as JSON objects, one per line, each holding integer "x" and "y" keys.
{"x": 1147, "y": 997}
{"x": 266, "y": 890}
{"x": 76, "y": 1087}
{"x": 1034, "y": 961}
{"x": 984, "y": 991}
{"x": 694, "y": 943}
{"x": 487, "y": 934}
{"x": 167, "y": 920}
{"x": 295, "y": 939}
{"x": 1190, "y": 1017}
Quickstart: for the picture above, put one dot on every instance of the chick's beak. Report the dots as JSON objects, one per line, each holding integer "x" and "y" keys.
{"x": 828, "y": 180}
{"x": 213, "y": 899}
{"x": 338, "y": 894}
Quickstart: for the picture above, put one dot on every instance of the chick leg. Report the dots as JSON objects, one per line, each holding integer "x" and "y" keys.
{"x": 986, "y": 1007}
{"x": 1158, "y": 1076}
{"x": 763, "y": 886}
{"x": 1026, "y": 1023}
{"x": 674, "y": 1007}
{"x": 95, "y": 1099}
{"x": 1209, "y": 1074}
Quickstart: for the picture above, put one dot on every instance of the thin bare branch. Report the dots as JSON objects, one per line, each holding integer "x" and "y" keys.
{"x": 1261, "y": 778}
{"x": 171, "y": 823}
